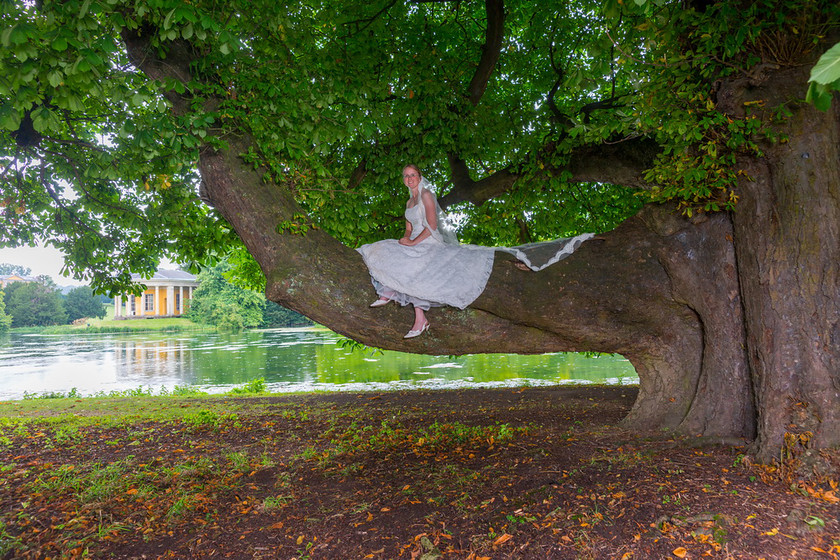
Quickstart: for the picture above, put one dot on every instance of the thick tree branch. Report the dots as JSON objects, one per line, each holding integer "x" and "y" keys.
{"x": 358, "y": 175}
{"x": 465, "y": 189}
{"x": 608, "y": 103}
{"x": 491, "y": 49}
{"x": 622, "y": 163}
{"x": 175, "y": 66}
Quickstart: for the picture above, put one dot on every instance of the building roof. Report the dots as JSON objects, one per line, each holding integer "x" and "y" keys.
{"x": 9, "y": 278}
{"x": 163, "y": 275}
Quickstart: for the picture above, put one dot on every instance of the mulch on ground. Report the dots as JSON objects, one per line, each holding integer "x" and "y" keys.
{"x": 534, "y": 473}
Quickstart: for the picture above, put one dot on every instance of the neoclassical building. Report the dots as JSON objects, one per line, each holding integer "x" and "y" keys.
{"x": 168, "y": 294}
{"x": 6, "y": 279}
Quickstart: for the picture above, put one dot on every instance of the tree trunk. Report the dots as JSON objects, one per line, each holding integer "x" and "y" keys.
{"x": 788, "y": 252}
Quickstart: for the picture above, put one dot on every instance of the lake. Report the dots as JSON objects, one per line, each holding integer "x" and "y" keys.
{"x": 304, "y": 359}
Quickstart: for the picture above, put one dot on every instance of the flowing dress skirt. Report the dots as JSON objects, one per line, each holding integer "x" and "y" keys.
{"x": 431, "y": 273}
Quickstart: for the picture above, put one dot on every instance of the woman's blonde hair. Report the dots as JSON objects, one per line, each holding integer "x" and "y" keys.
{"x": 415, "y": 168}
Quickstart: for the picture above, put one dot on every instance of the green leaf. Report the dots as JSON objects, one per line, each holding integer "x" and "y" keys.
{"x": 167, "y": 21}
{"x": 185, "y": 13}
{"x": 21, "y": 34}
{"x": 81, "y": 65}
{"x": 84, "y": 9}
{"x": 6, "y": 36}
{"x": 55, "y": 78}
{"x": 93, "y": 58}
{"x": 72, "y": 102}
{"x": 827, "y": 68}
{"x": 9, "y": 117}
{"x": 611, "y": 9}
{"x": 45, "y": 120}
{"x": 138, "y": 99}
{"x": 820, "y": 96}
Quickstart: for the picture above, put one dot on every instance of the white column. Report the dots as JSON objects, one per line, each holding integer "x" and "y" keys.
{"x": 117, "y": 303}
{"x": 156, "y": 304}
{"x": 180, "y": 300}
{"x": 170, "y": 300}
{"x": 141, "y": 309}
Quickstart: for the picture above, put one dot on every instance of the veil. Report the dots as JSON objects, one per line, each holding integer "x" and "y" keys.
{"x": 543, "y": 254}
{"x": 445, "y": 225}
{"x": 535, "y": 256}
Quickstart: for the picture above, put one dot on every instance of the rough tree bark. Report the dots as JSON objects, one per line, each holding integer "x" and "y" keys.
{"x": 788, "y": 249}
{"x": 730, "y": 321}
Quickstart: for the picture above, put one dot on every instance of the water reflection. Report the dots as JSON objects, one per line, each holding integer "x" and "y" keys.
{"x": 288, "y": 359}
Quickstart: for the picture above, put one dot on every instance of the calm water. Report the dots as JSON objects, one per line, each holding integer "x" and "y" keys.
{"x": 288, "y": 359}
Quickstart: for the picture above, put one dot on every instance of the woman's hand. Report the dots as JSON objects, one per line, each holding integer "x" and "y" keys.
{"x": 408, "y": 242}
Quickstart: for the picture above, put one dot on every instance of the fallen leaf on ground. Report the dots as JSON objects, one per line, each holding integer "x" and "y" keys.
{"x": 502, "y": 539}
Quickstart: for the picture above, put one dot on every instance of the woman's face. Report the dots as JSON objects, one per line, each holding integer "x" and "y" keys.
{"x": 411, "y": 177}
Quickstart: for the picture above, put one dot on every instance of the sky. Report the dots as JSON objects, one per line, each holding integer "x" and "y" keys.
{"x": 42, "y": 260}
{"x": 47, "y": 260}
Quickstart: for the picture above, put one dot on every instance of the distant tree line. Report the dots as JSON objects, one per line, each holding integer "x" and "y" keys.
{"x": 7, "y": 269}
{"x": 41, "y": 303}
{"x": 215, "y": 302}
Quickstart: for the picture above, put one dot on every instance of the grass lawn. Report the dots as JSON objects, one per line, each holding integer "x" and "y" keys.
{"x": 144, "y": 324}
{"x": 531, "y": 473}
{"x": 109, "y": 324}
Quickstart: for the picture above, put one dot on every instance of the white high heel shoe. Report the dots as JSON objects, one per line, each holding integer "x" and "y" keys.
{"x": 380, "y": 302}
{"x": 418, "y": 332}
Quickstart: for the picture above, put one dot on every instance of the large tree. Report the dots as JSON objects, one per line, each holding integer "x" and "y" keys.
{"x": 34, "y": 304}
{"x": 222, "y": 304}
{"x": 80, "y": 302}
{"x": 678, "y": 129}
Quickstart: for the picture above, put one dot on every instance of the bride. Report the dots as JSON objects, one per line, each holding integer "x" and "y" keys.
{"x": 427, "y": 267}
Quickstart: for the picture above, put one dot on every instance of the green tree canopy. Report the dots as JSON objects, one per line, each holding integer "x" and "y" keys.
{"x": 5, "y": 318}
{"x": 222, "y": 304}
{"x": 81, "y": 302}
{"x": 276, "y": 315}
{"x": 34, "y": 304}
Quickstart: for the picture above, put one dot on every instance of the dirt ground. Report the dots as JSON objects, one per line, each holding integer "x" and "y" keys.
{"x": 535, "y": 473}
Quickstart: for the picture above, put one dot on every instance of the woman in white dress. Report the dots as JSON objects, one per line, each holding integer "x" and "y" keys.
{"x": 426, "y": 267}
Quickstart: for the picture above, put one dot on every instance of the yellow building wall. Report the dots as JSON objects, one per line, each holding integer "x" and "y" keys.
{"x": 150, "y": 291}
{"x": 160, "y": 303}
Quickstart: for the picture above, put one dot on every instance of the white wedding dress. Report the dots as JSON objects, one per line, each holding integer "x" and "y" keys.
{"x": 440, "y": 271}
